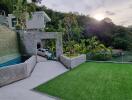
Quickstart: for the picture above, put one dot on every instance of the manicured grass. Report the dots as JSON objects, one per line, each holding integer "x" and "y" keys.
{"x": 92, "y": 81}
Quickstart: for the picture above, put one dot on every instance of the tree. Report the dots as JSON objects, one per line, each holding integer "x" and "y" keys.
{"x": 7, "y": 6}
{"x": 71, "y": 28}
{"x": 22, "y": 10}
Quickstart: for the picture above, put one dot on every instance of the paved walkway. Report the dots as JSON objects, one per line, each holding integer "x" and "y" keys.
{"x": 22, "y": 90}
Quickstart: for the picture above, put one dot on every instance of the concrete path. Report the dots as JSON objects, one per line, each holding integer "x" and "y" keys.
{"x": 41, "y": 59}
{"x": 22, "y": 90}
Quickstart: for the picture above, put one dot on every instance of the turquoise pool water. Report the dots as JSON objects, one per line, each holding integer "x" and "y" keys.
{"x": 12, "y": 62}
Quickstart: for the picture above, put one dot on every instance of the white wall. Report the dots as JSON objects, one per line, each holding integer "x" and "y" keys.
{"x": 36, "y": 22}
{"x": 10, "y": 16}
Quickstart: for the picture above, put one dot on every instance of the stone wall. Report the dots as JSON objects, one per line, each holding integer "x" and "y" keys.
{"x": 12, "y": 73}
{"x": 17, "y": 72}
{"x": 31, "y": 62}
{"x": 72, "y": 62}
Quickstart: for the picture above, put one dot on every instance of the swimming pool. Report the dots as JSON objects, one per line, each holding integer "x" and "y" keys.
{"x": 12, "y": 62}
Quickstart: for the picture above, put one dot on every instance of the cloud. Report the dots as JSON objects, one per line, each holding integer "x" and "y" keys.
{"x": 109, "y": 13}
{"x": 117, "y": 10}
{"x": 87, "y": 7}
{"x": 130, "y": 6}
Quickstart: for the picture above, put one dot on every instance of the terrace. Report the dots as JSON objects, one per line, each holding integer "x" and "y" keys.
{"x": 73, "y": 57}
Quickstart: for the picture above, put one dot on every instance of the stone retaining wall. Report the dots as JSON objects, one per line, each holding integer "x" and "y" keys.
{"x": 17, "y": 72}
{"x": 72, "y": 62}
{"x": 31, "y": 62}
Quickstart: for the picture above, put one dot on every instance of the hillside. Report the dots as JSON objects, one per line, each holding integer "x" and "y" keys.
{"x": 110, "y": 34}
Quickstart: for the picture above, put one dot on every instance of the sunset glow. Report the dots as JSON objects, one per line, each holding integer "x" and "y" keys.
{"x": 99, "y": 17}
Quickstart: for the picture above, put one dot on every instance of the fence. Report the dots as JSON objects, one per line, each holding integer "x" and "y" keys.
{"x": 117, "y": 56}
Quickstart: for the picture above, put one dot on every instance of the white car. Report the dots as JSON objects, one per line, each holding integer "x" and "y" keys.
{"x": 44, "y": 52}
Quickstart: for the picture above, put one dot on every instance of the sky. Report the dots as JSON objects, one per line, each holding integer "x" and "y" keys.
{"x": 120, "y": 11}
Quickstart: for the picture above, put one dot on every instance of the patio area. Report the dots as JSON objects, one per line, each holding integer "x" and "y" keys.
{"x": 22, "y": 90}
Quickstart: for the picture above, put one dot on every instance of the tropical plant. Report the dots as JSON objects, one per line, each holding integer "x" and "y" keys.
{"x": 69, "y": 48}
{"x": 97, "y": 50}
{"x": 70, "y": 29}
{"x": 83, "y": 46}
{"x": 22, "y": 10}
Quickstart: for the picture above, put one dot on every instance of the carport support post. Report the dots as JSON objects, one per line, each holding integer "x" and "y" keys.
{"x": 59, "y": 45}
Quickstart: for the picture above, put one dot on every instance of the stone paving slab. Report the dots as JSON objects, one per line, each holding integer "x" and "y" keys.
{"x": 22, "y": 90}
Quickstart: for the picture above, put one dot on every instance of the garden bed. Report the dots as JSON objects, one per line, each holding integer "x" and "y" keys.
{"x": 73, "y": 61}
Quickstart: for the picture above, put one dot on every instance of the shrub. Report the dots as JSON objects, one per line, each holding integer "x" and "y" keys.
{"x": 101, "y": 56}
{"x": 98, "y": 51}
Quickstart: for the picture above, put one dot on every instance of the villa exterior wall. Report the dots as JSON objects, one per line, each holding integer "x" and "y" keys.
{"x": 10, "y": 22}
{"x": 36, "y": 22}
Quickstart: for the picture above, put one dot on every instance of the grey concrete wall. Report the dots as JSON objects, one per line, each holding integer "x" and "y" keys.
{"x": 29, "y": 42}
{"x": 66, "y": 61}
{"x": 31, "y": 62}
{"x": 10, "y": 17}
{"x": 59, "y": 45}
{"x": 31, "y": 38}
{"x": 72, "y": 62}
{"x": 36, "y": 21}
{"x": 17, "y": 72}
{"x": 12, "y": 73}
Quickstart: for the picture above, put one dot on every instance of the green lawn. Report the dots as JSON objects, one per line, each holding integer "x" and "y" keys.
{"x": 92, "y": 81}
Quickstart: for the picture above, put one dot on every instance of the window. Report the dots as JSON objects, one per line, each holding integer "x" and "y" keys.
{"x": 13, "y": 22}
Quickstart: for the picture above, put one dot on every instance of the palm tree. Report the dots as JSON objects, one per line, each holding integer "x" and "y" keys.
{"x": 95, "y": 45}
{"x": 97, "y": 49}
